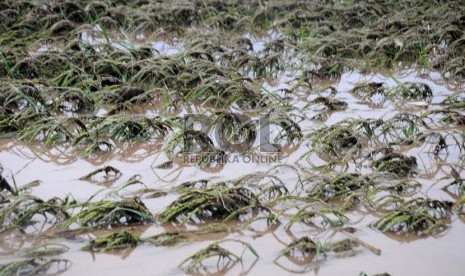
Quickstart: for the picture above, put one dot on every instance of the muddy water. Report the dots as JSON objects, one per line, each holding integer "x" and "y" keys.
{"x": 59, "y": 170}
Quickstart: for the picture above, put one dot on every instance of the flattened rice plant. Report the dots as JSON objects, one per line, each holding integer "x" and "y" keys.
{"x": 413, "y": 91}
{"x": 303, "y": 251}
{"x": 35, "y": 266}
{"x": 397, "y": 164}
{"x": 167, "y": 239}
{"x": 126, "y": 127}
{"x": 53, "y": 130}
{"x": 105, "y": 212}
{"x": 119, "y": 240}
{"x": 419, "y": 216}
{"x": 225, "y": 258}
{"x": 22, "y": 210}
{"x": 215, "y": 203}
{"x": 337, "y": 141}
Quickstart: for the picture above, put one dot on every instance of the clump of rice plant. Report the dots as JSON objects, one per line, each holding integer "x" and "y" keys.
{"x": 167, "y": 239}
{"x": 336, "y": 185}
{"x": 458, "y": 182}
{"x": 215, "y": 203}
{"x": 343, "y": 247}
{"x": 374, "y": 92}
{"x": 303, "y": 251}
{"x": 47, "y": 249}
{"x": 225, "y": 259}
{"x": 287, "y": 131}
{"x": 119, "y": 240}
{"x": 267, "y": 186}
{"x": 15, "y": 97}
{"x": 337, "y": 140}
{"x": 419, "y": 216}
{"x": 195, "y": 144}
{"x": 22, "y": 210}
{"x": 397, "y": 164}
{"x": 448, "y": 116}
{"x": 127, "y": 127}
{"x": 92, "y": 145}
{"x": 106, "y": 212}
{"x": 414, "y": 91}
{"x": 435, "y": 208}
{"x": 330, "y": 103}
{"x": 455, "y": 101}
{"x": 73, "y": 100}
{"x": 53, "y": 130}
{"x": 317, "y": 216}
{"x": 35, "y": 266}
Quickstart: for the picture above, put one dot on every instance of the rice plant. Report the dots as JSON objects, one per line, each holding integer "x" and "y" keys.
{"x": 303, "y": 251}
{"x": 124, "y": 127}
{"x": 414, "y": 91}
{"x": 397, "y": 164}
{"x": 43, "y": 250}
{"x": 105, "y": 212}
{"x": 54, "y": 131}
{"x": 338, "y": 140}
{"x": 215, "y": 203}
{"x": 24, "y": 210}
{"x": 118, "y": 240}
{"x": 337, "y": 185}
{"x": 419, "y": 216}
{"x": 317, "y": 216}
{"x": 167, "y": 239}
{"x": 225, "y": 258}
{"x": 329, "y": 103}
{"x": 34, "y": 266}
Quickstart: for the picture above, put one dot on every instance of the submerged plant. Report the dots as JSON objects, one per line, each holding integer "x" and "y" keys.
{"x": 317, "y": 216}
{"x": 35, "y": 266}
{"x": 448, "y": 116}
{"x": 23, "y": 211}
{"x": 104, "y": 75}
{"x": 415, "y": 91}
{"x": 215, "y": 203}
{"x": 330, "y": 103}
{"x": 303, "y": 251}
{"x": 47, "y": 249}
{"x": 455, "y": 101}
{"x": 119, "y": 240}
{"x": 225, "y": 258}
{"x": 337, "y": 185}
{"x": 105, "y": 212}
{"x": 167, "y": 239}
{"x": 54, "y": 130}
{"x": 342, "y": 247}
{"x": 124, "y": 127}
{"x": 396, "y": 163}
{"x": 419, "y": 216}
{"x": 373, "y": 92}
{"x": 338, "y": 141}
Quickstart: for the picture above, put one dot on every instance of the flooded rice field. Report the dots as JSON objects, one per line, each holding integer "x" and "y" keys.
{"x": 211, "y": 138}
